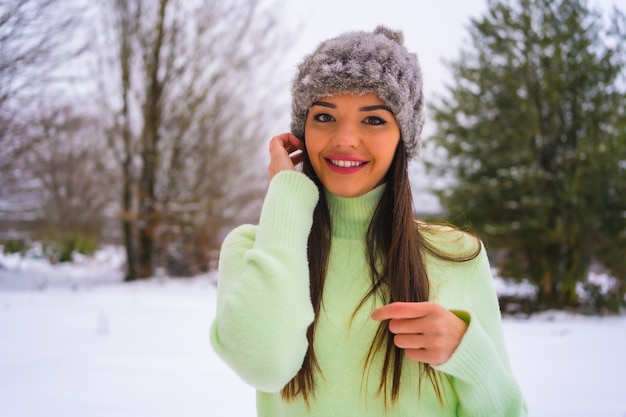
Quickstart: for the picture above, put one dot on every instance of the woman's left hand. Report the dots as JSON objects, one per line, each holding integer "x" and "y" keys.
{"x": 427, "y": 331}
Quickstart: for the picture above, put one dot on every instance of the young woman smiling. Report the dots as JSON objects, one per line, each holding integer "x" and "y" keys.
{"x": 340, "y": 303}
{"x": 351, "y": 141}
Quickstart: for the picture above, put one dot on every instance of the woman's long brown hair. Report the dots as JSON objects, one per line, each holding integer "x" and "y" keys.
{"x": 395, "y": 249}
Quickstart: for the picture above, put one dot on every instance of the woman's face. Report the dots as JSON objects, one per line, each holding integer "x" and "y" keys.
{"x": 351, "y": 140}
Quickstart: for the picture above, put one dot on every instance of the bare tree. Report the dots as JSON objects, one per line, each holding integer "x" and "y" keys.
{"x": 61, "y": 185}
{"x": 33, "y": 41}
{"x": 33, "y": 47}
{"x": 120, "y": 134}
{"x": 67, "y": 167}
{"x": 186, "y": 122}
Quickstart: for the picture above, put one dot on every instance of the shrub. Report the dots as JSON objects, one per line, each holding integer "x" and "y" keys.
{"x": 62, "y": 248}
{"x": 15, "y": 246}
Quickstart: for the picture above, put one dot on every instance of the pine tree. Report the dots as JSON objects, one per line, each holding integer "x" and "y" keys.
{"x": 535, "y": 137}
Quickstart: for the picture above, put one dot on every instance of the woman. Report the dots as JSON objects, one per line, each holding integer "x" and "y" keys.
{"x": 338, "y": 303}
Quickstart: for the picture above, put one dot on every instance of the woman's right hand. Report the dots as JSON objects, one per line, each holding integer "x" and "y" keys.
{"x": 282, "y": 156}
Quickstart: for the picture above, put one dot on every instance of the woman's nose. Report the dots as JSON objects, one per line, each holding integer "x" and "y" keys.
{"x": 346, "y": 135}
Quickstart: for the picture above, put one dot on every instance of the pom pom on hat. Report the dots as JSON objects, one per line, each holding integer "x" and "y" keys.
{"x": 360, "y": 63}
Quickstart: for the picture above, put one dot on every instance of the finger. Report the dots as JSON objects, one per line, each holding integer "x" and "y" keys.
{"x": 410, "y": 341}
{"x": 288, "y": 141}
{"x": 422, "y": 350}
{"x": 416, "y": 354}
{"x": 284, "y": 144}
{"x": 409, "y": 326}
{"x": 295, "y": 143}
{"x": 417, "y": 350}
{"x": 401, "y": 310}
{"x": 277, "y": 146}
{"x": 429, "y": 356}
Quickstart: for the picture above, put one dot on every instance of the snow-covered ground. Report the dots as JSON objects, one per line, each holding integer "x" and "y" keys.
{"x": 75, "y": 341}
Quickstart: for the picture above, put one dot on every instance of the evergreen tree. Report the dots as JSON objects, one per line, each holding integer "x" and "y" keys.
{"x": 534, "y": 129}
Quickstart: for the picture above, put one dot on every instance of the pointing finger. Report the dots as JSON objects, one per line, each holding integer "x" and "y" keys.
{"x": 401, "y": 310}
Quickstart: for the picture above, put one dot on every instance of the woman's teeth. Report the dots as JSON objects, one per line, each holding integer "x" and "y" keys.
{"x": 346, "y": 164}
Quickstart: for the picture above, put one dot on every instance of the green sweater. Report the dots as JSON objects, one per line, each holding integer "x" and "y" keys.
{"x": 264, "y": 310}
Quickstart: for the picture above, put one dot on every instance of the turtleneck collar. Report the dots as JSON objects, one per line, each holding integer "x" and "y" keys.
{"x": 351, "y": 216}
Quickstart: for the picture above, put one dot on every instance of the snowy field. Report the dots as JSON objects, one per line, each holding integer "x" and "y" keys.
{"x": 76, "y": 342}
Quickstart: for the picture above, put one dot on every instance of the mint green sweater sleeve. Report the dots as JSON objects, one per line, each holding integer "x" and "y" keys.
{"x": 263, "y": 273}
{"x": 479, "y": 368}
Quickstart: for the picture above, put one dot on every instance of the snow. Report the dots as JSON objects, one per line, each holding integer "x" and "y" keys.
{"x": 76, "y": 341}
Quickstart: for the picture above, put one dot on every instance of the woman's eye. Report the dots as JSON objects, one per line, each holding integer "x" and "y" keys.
{"x": 374, "y": 121}
{"x": 323, "y": 117}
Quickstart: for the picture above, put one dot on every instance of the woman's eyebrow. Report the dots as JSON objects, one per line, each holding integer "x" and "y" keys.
{"x": 377, "y": 107}
{"x": 365, "y": 108}
{"x": 324, "y": 104}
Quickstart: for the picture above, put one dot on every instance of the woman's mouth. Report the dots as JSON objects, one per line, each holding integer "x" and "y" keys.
{"x": 345, "y": 166}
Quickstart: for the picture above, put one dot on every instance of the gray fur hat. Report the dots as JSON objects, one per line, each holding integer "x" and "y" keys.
{"x": 363, "y": 62}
